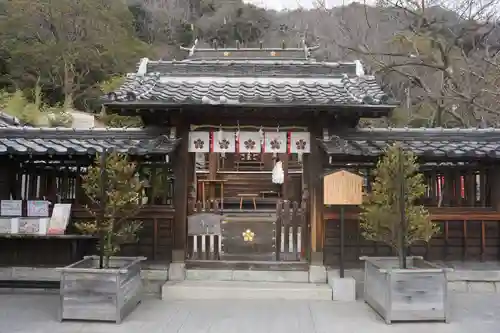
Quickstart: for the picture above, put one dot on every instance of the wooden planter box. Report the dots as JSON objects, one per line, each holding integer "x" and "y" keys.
{"x": 418, "y": 293}
{"x": 90, "y": 293}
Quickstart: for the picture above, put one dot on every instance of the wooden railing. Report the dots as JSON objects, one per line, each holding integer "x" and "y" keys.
{"x": 292, "y": 222}
{"x": 466, "y": 232}
{"x": 155, "y": 237}
{"x": 290, "y": 236}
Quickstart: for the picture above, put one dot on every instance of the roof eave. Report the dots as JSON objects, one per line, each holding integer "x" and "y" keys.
{"x": 153, "y": 104}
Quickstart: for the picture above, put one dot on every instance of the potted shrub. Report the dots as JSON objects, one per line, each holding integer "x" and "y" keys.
{"x": 401, "y": 288}
{"x": 106, "y": 287}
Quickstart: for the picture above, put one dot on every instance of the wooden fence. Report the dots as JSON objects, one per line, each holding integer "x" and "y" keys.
{"x": 154, "y": 242}
{"x": 289, "y": 240}
{"x": 465, "y": 234}
{"x": 293, "y": 238}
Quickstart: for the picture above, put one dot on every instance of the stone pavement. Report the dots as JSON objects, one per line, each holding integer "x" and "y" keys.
{"x": 32, "y": 313}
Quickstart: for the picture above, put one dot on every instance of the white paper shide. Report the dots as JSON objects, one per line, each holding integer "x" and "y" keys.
{"x": 278, "y": 176}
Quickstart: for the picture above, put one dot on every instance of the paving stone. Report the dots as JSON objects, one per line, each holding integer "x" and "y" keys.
{"x": 177, "y": 271}
{"x": 31, "y": 313}
{"x": 457, "y": 286}
{"x": 317, "y": 274}
{"x": 474, "y": 275}
{"x": 481, "y": 287}
{"x": 209, "y": 274}
{"x": 246, "y": 290}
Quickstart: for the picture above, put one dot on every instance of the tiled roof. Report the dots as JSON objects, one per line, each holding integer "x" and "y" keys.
{"x": 7, "y": 120}
{"x": 69, "y": 141}
{"x": 453, "y": 143}
{"x": 250, "y": 81}
{"x": 250, "y": 90}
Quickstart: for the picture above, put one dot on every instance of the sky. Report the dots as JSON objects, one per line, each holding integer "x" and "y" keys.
{"x": 294, "y": 4}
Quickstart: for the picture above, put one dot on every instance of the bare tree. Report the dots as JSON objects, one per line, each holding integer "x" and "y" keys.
{"x": 443, "y": 52}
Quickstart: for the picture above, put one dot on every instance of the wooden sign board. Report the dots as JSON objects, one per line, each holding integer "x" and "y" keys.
{"x": 342, "y": 188}
{"x": 59, "y": 220}
{"x": 11, "y": 207}
{"x": 6, "y": 225}
{"x": 38, "y": 208}
{"x": 33, "y": 226}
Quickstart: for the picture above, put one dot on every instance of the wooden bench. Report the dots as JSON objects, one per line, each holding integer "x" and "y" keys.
{"x": 252, "y": 196}
{"x": 268, "y": 194}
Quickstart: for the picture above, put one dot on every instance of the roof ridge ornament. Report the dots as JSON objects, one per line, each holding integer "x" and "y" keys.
{"x": 143, "y": 67}
{"x": 190, "y": 49}
{"x": 360, "y": 71}
{"x": 307, "y": 53}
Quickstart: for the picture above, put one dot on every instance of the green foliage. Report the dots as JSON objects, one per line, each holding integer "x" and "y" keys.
{"x": 4, "y": 98}
{"x": 35, "y": 113}
{"x": 229, "y": 21}
{"x": 112, "y": 84}
{"x": 18, "y": 106}
{"x": 381, "y": 216}
{"x": 114, "y": 120}
{"x": 59, "y": 117}
{"x": 68, "y": 45}
{"x": 123, "y": 187}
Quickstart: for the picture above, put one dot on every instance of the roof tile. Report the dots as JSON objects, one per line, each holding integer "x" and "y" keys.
{"x": 345, "y": 90}
{"x": 425, "y": 142}
{"x": 69, "y": 141}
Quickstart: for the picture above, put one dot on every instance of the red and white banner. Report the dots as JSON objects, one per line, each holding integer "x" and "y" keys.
{"x": 223, "y": 142}
{"x": 199, "y": 142}
{"x": 300, "y": 142}
{"x": 249, "y": 142}
{"x": 275, "y": 142}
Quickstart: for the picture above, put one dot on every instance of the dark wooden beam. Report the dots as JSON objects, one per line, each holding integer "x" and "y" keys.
{"x": 285, "y": 188}
{"x": 182, "y": 168}
{"x": 315, "y": 185}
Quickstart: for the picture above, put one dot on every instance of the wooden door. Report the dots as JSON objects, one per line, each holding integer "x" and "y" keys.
{"x": 249, "y": 237}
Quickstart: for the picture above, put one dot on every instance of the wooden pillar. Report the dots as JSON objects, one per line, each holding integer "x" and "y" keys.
{"x": 315, "y": 183}
{"x": 493, "y": 178}
{"x": 183, "y": 168}
{"x": 285, "y": 189}
{"x": 212, "y": 174}
{"x": 7, "y": 178}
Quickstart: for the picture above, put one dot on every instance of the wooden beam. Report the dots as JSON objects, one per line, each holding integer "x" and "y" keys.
{"x": 285, "y": 188}
{"x": 315, "y": 182}
{"x": 182, "y": 169}
{"x": 212, "y": 173}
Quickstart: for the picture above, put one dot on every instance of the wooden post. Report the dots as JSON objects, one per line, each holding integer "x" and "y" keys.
{"x": 402, "y": 207}
{"x": 7, "y": 177}
{"x": 182, "y": 168}
{"x": 342, "y": 237}
{"x": 315, "y": 170}
{"x": 212, "y": 175}
{"x": 102, "y": 214}
{"x": 493, "y": 180}
{"x": 285, "y": 187}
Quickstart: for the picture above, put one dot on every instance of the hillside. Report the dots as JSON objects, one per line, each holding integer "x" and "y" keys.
{"x": 439, "y": 61}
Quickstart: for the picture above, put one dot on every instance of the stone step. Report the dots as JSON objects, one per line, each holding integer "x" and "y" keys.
{"x": 184, "y": 290}
{"x": 247, "y": 275}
